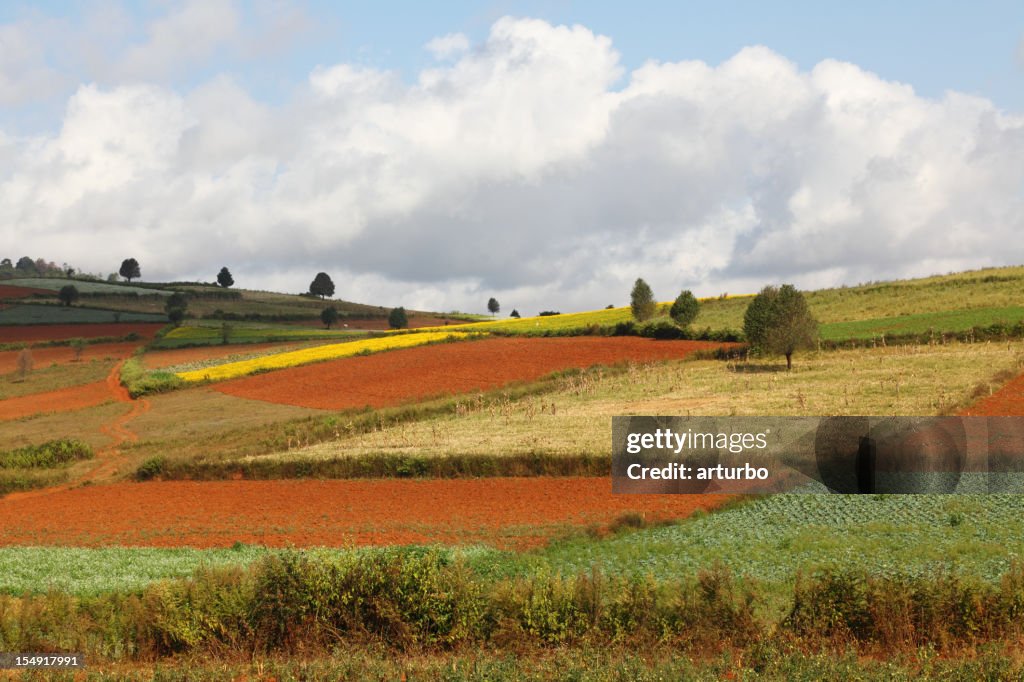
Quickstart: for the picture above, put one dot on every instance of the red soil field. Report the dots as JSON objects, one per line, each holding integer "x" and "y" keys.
{"x": 514, "y": 513}
{"x": 398, "y": 376}
{"x": 56, "y": 332}
{"x": 8, "y": 291}
{"x": 44, "y": 357}
{"x": 1006, "y": 402}
{"x": 157, "y": 359}
{"x": 64, "y": 400}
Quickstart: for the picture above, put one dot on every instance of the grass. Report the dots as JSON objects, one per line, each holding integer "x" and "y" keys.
{"x": 54, "y": 377}
{"x": 575, "y": 418}
{"x": 207, "y": 333}
{"x": 90, "y": 571}
{"x": 140, "y": 381}
{"x": 82, "y": 425}
{"x": 85, "y": 286}
{"x": 47, "y": 455}
{"x": 55, "y": 314}
{"x": 994, "y": 290}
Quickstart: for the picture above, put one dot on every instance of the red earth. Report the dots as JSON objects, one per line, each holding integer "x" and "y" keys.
{"x": 56, "y": 332}
{"x": 400, "y": 376}
{"x": 63, "y": 400}
{"x": 8, "y": 291}
{"x": 508, "y": 512}
{"x": 1006, "y": 402}
{"x": 44, "y": 357}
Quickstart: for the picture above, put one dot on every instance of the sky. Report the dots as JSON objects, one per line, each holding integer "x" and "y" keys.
{"x": 434, "y": 155}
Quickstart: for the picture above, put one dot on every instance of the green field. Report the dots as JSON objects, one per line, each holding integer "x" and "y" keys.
{"x": 954, "y": 302}
{"x": 208, "y": 332}
{"x": 922, "y": 323}
{"x": 55, "y": 314}
{"x": 85, "y": 286}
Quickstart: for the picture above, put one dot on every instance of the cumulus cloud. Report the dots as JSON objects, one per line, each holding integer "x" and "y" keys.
{"x": 447, "y": 46}
{"x": 532, "y": 168}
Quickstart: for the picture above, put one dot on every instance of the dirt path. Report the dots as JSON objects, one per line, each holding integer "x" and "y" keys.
{"x": 108, "y": 458}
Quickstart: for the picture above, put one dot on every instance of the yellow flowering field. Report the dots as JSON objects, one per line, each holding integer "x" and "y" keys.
{"x": 305, "y": 356}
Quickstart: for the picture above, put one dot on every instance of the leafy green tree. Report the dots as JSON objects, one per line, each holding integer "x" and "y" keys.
{"x": 68, "y": 294}
{"x": 685, "y": 308}
{"x": 224, "y": 277}
{"x": 493, "y": 306}
{"x": 779, "y": 321}
{"x": 176, "y": 306}
{"x": 397, "y": 319}
{"x": 322, "y": 285}
{"x": 329, "y": 316}
{"x": 129, "y": 269}
{"x": 641, "y": 301}
{"x": 26, "y": 266}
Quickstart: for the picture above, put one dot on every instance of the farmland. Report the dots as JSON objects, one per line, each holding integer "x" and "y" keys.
{"x": 490, "y": 449}
{"x": 60, "y": 315}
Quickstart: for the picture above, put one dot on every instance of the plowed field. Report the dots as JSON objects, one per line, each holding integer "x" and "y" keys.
{"x": 403, "y": 375}
{"x": 1006, "y": 402}
{"x": 64, "y": 400}
{"x": 8, "y": 291}
{"x": 507, "y": 512}
{"x": 54, "y": 332}
{"x": 44, "y": 357}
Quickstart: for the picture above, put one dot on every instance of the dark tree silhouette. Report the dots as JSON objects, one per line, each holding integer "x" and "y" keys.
{"x": 329, "y": 316}
{"x": 68, "y": 294}
{"x": 322, "y": 285}
{"x": 224, "y": 277}
{"x": 129, "y": 269}
{"x": 397, "y": 319}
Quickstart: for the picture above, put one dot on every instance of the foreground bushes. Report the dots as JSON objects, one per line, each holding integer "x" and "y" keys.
{"x": 424, "y": 601}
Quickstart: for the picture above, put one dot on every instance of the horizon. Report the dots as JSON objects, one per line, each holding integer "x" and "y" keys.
{"x": 548, "y": 159}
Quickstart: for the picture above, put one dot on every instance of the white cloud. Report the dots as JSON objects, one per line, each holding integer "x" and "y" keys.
{"x": 451, "y": 45}
{"x": 525, "y": 168}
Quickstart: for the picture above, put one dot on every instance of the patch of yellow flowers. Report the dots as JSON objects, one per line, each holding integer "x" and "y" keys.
{"x": 294, "y": 358}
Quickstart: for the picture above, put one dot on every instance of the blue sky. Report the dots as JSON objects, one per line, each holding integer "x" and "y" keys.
{"x": 553, "y": 153}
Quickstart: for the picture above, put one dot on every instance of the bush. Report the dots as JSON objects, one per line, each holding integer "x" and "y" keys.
{"x": 150, "y": 469}
{"x": 662, "y": 329}
{"x": 47, "y": 455}
{"x": 140, "y": 381}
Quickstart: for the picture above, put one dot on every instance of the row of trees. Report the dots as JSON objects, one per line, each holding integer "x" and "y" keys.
{"x": 777, "y": 321}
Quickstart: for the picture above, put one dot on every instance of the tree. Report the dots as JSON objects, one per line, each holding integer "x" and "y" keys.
{"x": 397, "y": 318}
{"x": 685, "y": 308}
{"x": 224, "y": 277}
{"x": 175, "y": 307}
{"x": 322, "y": 285}
{"x": 329, "y": 316}
{"x": 515, "y": 313}
{"x": 779, "y": 321}
{"x": 78, "y": 345}
{"x": 26, "y": 266}
{"x": 493, "y": 306}
{"x": 130, "y": 269}
{"x": 68, "y": 294}
{"x": 641, "y": 301}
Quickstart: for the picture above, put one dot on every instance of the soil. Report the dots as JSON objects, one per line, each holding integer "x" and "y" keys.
{"x": 64, "y": 400}
{"x": 8, "y": 291}
{"x": 60, "y": 355}
{"x": 400, "y": 376}
{"x": 55, "y": 332}
{"x": 1008, "y": 401}
{"x": 513, "y": 513}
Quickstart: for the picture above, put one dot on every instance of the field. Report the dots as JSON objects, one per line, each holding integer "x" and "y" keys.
{"x": 59, "y": 332}
{"x": 60, "y": 315}
{"x": 476, "y": 470}
{"x": 85, "y": 286}
{"x": 420, "y": 373}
